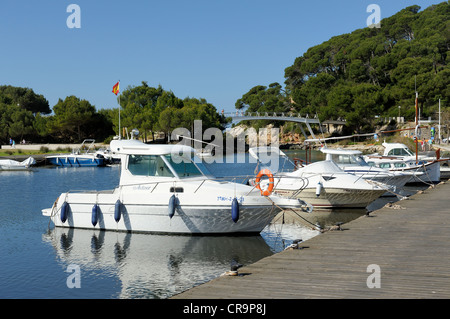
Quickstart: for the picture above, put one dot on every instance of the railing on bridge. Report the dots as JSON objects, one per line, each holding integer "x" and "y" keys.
{"x": 269, "y": 114}
{"x": 290, "y": 116}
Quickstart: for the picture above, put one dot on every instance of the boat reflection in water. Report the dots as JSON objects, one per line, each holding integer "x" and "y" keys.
{"x": 153, "y": 266}
{"x": 326, "y": 218}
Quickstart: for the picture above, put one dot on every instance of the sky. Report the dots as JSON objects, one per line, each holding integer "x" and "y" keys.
{"x": 212, "y": 49}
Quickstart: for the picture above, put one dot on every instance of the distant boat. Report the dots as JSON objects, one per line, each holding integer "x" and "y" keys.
{"x": 78, "y": 158}
{"x": 321, "y": 184}
{"x": 12, "y": 165}
{"x": 110, "y": 157}
{"x": 398, "y": 158}
{"x": 352, "y": 161}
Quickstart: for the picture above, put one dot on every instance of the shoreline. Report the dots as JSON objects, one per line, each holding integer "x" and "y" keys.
{"x": 365, "y": 148}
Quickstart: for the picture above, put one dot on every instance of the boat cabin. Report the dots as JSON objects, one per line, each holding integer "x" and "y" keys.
{"x": 396, "y": 149}
{"x": 344, "y": 157}
{"x": 164, "y": 165}
{"x": 160, "y": 162}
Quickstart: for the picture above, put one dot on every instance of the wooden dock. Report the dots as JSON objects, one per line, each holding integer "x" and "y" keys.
{"x": 410, "y": 243}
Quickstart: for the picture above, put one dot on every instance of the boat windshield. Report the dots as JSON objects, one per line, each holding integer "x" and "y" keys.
{"x": 157, "y": 165}
{"x": 148, "y": 165}
{"x": 183, "y": 166}
{"x": 348, "y": 159}
{"x": 400, "y": 152}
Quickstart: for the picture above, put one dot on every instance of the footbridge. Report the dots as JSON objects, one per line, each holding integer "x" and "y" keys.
{"x": 288, "y": 117}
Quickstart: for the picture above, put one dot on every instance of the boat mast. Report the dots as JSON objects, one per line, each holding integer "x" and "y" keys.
{"x": 417, "y": 138}
{"x": 439, "y": 130}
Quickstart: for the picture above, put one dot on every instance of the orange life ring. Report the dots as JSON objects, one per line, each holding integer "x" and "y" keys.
{"x": 268, "y": 173}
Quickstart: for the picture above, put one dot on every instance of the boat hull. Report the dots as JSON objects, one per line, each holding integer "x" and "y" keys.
{"x": 146, "y": 216}
{"x": 12, "y": 165}
{"x": 335, "y": 197}
{"x": 430, "y": 173}
{"x": 427, "y": 171}
{"x": 72, "y": 161}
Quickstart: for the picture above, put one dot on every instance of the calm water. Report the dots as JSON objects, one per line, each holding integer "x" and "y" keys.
{"x": 37, "y": 260}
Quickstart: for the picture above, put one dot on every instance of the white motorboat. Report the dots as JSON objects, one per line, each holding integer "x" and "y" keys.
{"x": 163, "y": 189}
{"x": 398, "y": 158}
{"x": 12, "y": 165}
{"x": 78, "y": 158}
{"x": 109, "y": 157}
{"x": 323, "y": 184}
{"x": 352, "y": 161}
{"x": 443, "y": 162}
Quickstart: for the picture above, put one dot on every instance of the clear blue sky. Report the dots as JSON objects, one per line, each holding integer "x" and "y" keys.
{"x": 212, "y": 49}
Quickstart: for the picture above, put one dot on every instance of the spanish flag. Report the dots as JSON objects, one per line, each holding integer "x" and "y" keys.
{"x": 116, "y": 88}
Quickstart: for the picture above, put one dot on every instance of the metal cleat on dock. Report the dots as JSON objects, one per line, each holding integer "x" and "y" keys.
{"x": 295, "y": 245}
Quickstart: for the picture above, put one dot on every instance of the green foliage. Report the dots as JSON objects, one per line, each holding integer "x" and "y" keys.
{"x": 264, "y": 99}
{"x": 75, "y": 120}
{"x": 24, "y": 98}
{"x": 371, "y": 71}
{"x": 44, "y": 149}
{"x": 15, "y": 122}
{"x": 70, "y": 116}
{"x": 139, "y": 106}
{"x": 155, "y": 109}
{"x": 18, "y": 107}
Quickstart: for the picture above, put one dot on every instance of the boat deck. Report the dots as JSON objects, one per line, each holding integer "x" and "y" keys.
{"x": 410, "y": 242}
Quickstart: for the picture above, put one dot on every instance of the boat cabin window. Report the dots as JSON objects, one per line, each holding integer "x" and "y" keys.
{"x": 348, "y": 159}
{"x": 400, "y": 165}
{"x": 399, "y": 152}
{"x": 385, "y": 165}
{"x": 148, "y": 165}
{"x": 183, "y": 166}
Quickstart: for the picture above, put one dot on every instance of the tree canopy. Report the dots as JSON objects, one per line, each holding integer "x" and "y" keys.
{"x": 25, "y": 115}
{"x": 371, "y": 71}
{"x": 76, "y": 119}
{"x": 155, "y": 109}
{"x": 264, "y": 99}
{"x": 18, "y": 107}
{"x": 25, "y": 98}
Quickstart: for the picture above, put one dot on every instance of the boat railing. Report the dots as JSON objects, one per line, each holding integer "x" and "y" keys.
{"x": 88, "y": 148}
{"x": 233, "y": 179}
{"x": 239, "y": 179}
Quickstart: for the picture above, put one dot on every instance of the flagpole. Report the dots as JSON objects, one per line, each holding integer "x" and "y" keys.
{"x": 116, "y": 90}
{"x": 119, "y": 113}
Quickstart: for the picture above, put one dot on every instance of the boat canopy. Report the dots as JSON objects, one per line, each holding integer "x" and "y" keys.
{"x": 321, "y": 167}
{"x": 129, "y": 147}
{"x": 339, "y": 151}
{"x": 157, "y": 160}
{"x": 344, "y": 157}
{"x": 396, "y": 149}
{"x": 162, "y": 166}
